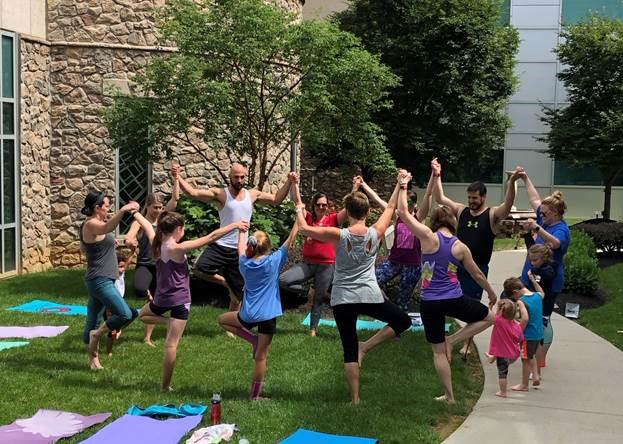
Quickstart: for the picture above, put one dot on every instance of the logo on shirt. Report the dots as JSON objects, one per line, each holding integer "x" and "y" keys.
{"x": 427, "y": 273}
{"x": 452, "y": 273}
{"x": 472, "y": 224}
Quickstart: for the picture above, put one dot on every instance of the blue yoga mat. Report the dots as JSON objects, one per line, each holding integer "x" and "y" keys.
{"x": 302, "y": 436}
{"x": 8, "y": 344}
{"x": 365, "y": 325}
{"x": 41, "y": 306}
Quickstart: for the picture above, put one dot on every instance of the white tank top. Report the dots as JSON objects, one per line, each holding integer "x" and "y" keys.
{"x": 234, "y": 211}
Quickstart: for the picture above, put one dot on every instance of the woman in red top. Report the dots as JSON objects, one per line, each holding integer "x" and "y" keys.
{"x": 318, "y": 257}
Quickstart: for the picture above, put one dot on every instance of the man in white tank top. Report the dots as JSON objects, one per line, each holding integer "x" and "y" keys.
{"x": 219, "y": 261}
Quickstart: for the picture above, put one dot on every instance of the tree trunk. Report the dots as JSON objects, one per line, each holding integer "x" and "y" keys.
{"x": 607, "y": 198}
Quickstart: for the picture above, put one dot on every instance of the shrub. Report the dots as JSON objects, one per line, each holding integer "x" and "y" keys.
{"x": 607, "y": 235}
{"x": 581, "y": 271}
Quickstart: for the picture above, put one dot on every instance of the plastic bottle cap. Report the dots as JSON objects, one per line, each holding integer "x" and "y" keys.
{"x": 216, "y": 397}
{"x": 243, "y": 441}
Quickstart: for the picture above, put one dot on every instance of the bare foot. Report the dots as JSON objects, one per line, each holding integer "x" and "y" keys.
{"x": 519, "y": 388}
{"x": 490, "y": 358}
{"x": 93, "y": 343}
{"x": 536, "y": 382}
{"x": 312, "y": 333}
{"x": 148, "y": 342}
{"x": 167, "y": 389}
{"x": 94, "y": 363}
{"x": 362, "y": 353}
{"x": 501, "y": 395}
{"x": 355, "y": 401}
{"x": 109, "y": 354}
{"x": 230, "y": 334}
{"x": 118, "y": 334}
{"x": 260, "y": 398}
{"x": 444, "y": 398}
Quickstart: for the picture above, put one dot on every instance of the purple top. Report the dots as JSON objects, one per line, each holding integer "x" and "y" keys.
{"x": 439, "y": 278}
{"x": 406, "y": 249}
{"x": 173, "y": 286}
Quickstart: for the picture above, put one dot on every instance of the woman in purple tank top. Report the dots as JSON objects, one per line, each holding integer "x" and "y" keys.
{"x": 441, "y": 295}
{"x": 173, "y": 289}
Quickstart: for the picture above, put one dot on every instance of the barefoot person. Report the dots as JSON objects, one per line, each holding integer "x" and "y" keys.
{"x": 261, "y": 304}
{"x": 550, "y": 229}
{"x": 98, "y": 243}
{"x": 145, "y": 272}
{"x": 404, "y": 257}
{"x": 219, "y": 261}
{"x": 318, "y": 257}
{"x": 477, "y": 227}
{"x": 355, "y": 289}
{"x": 441, "y": 295}
{"x": 173, "y": 287}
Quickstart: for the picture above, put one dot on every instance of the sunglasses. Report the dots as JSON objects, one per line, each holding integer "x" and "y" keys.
{"x": 322, "y": 205}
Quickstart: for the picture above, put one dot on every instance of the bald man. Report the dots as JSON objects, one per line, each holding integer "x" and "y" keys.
{"x": 219, "y": 261}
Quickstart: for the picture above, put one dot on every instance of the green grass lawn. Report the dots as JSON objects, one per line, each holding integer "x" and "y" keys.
{"x": 305, "y": 378}
{"x": 608, "y": 319}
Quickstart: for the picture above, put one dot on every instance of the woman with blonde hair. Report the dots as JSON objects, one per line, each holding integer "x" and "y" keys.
{"x": 549, "y": 229}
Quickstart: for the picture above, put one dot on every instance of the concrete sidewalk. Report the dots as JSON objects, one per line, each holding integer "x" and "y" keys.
{"x": 580, "y": 399}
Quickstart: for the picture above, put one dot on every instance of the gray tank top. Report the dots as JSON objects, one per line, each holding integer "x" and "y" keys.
{"x": 354, "y": 280}
{"x": 101, "y": 257}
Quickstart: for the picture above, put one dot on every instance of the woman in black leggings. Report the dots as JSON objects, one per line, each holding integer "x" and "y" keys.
{"x": 145, "y": 273}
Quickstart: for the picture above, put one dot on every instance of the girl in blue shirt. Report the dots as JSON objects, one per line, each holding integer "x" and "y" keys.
{"x": 261, "y": 302}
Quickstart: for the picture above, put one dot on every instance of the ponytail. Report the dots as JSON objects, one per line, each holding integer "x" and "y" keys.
{"x": 167, "y": 223}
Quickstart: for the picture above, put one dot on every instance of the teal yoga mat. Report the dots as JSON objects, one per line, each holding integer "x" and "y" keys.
{"x": 42, "y": 306}
{"x": 365, "y": 325}
{"x": 302, "y": 436}
{"x": 12, "y": 344}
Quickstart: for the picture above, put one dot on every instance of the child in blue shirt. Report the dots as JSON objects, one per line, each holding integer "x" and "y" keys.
{"x": 261, "y": 302}
{"x": 533, "y": 331}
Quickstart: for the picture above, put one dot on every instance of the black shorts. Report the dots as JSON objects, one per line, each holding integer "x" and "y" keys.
{"x": 434, "y": 315}
{"x": 217, "y": 259}
{"x": 268, "y": 327}
{"x": 178, "y": 312}
{"x": 528, "y": 348}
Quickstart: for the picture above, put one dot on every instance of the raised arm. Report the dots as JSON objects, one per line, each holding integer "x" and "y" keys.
{"x": 213, "y": 236}
{"x": 242, "y": 242}
{"x": 147, "y": 227}
{"x": 279, "y": 196}
{"x": 97, "y": 227}
{"x": 322, "y": 234}
{"x": 204, "y": 195}
{"x": 536, "y": 284}
{"x": 372, "y": 195}
{"x": 427, "y": 201}
{"x": 420, "y": 230}
{"x": 386, "y": 217}
{"x": 293, "y": 233}
{"x": 465, "y": 256}
{"x": 523, "y": 314}
{"x": 440, "y": 197}
{"x": 130, "y": 237}
{"x": 533, "y": 194}
{"x": 175, "y": 196}
{"x": 502, "y": 211}
{"x": 342, "y": 216}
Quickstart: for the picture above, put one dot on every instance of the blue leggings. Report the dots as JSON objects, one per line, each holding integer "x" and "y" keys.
{"x": 103, "y": 294}
{"x": 409, "y": 277}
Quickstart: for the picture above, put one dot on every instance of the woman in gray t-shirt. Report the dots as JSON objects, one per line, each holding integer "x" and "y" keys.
{"x": 355, "y": 290}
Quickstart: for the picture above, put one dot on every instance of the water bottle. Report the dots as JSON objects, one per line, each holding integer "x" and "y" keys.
{"x": 215, "y": 410}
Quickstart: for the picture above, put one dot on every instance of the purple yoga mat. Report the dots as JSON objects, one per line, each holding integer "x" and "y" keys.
{"x": 31, "y": 332}
{"x": 144, "y": 430}
{"x": 48, "y": 426}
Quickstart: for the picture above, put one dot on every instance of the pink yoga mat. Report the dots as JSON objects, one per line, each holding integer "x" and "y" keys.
{"x": 31, "y": 332}
{"x": 48, "y": 426}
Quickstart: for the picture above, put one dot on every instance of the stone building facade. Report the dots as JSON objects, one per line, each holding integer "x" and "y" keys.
{"x": 70, "y": 63}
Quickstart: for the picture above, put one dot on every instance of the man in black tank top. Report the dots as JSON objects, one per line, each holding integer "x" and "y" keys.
{"x": 477, "y": 225}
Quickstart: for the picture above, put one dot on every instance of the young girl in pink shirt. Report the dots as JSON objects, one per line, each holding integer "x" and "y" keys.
{"x": 506, "y": 337}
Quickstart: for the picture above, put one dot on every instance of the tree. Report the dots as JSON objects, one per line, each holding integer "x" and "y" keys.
{"x": 589, "y": 131}
{"x": 456, "y": 65}
{"x": 248, "y": 79}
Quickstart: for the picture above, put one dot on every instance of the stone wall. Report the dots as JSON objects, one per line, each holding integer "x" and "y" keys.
{"x": 96, "y": 44}
{"x": 36, "y": 214}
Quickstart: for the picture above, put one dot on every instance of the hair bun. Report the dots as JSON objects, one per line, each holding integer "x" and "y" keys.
{"x": 85, "y": 211}
{"x": 557, "y": 195}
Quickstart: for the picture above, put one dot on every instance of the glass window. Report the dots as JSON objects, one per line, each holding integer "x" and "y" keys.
{"x": 487, "y": 169}
{"x": 7, "y": 66}
{"x": 133, "y": 184}
{"x": 505, "y": 15}
{"x": 8, "y": 125}
{"x": 8, "y": 178}
{"x": 574, "y": 11}
{"x": 10, "y": 261}
{"x": 564, "y": 174}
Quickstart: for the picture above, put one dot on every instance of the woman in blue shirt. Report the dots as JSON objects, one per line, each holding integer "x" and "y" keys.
{"x": 550, "y": 229}
{"x": 261, "y": 302}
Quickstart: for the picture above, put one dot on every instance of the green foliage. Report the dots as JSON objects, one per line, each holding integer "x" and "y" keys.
{"x": 608, "y": 236}
{"x": 581, "y": 271}
{"x": 589, "y": 131}
{"x": 247, "y": 80}
{"x": 202, "y": 218}
{"x": 456, "y": 65}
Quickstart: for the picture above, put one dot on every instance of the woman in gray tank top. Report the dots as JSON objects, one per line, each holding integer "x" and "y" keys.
{"x": 355, "y": 290}
{"x": 98, "y": 244}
